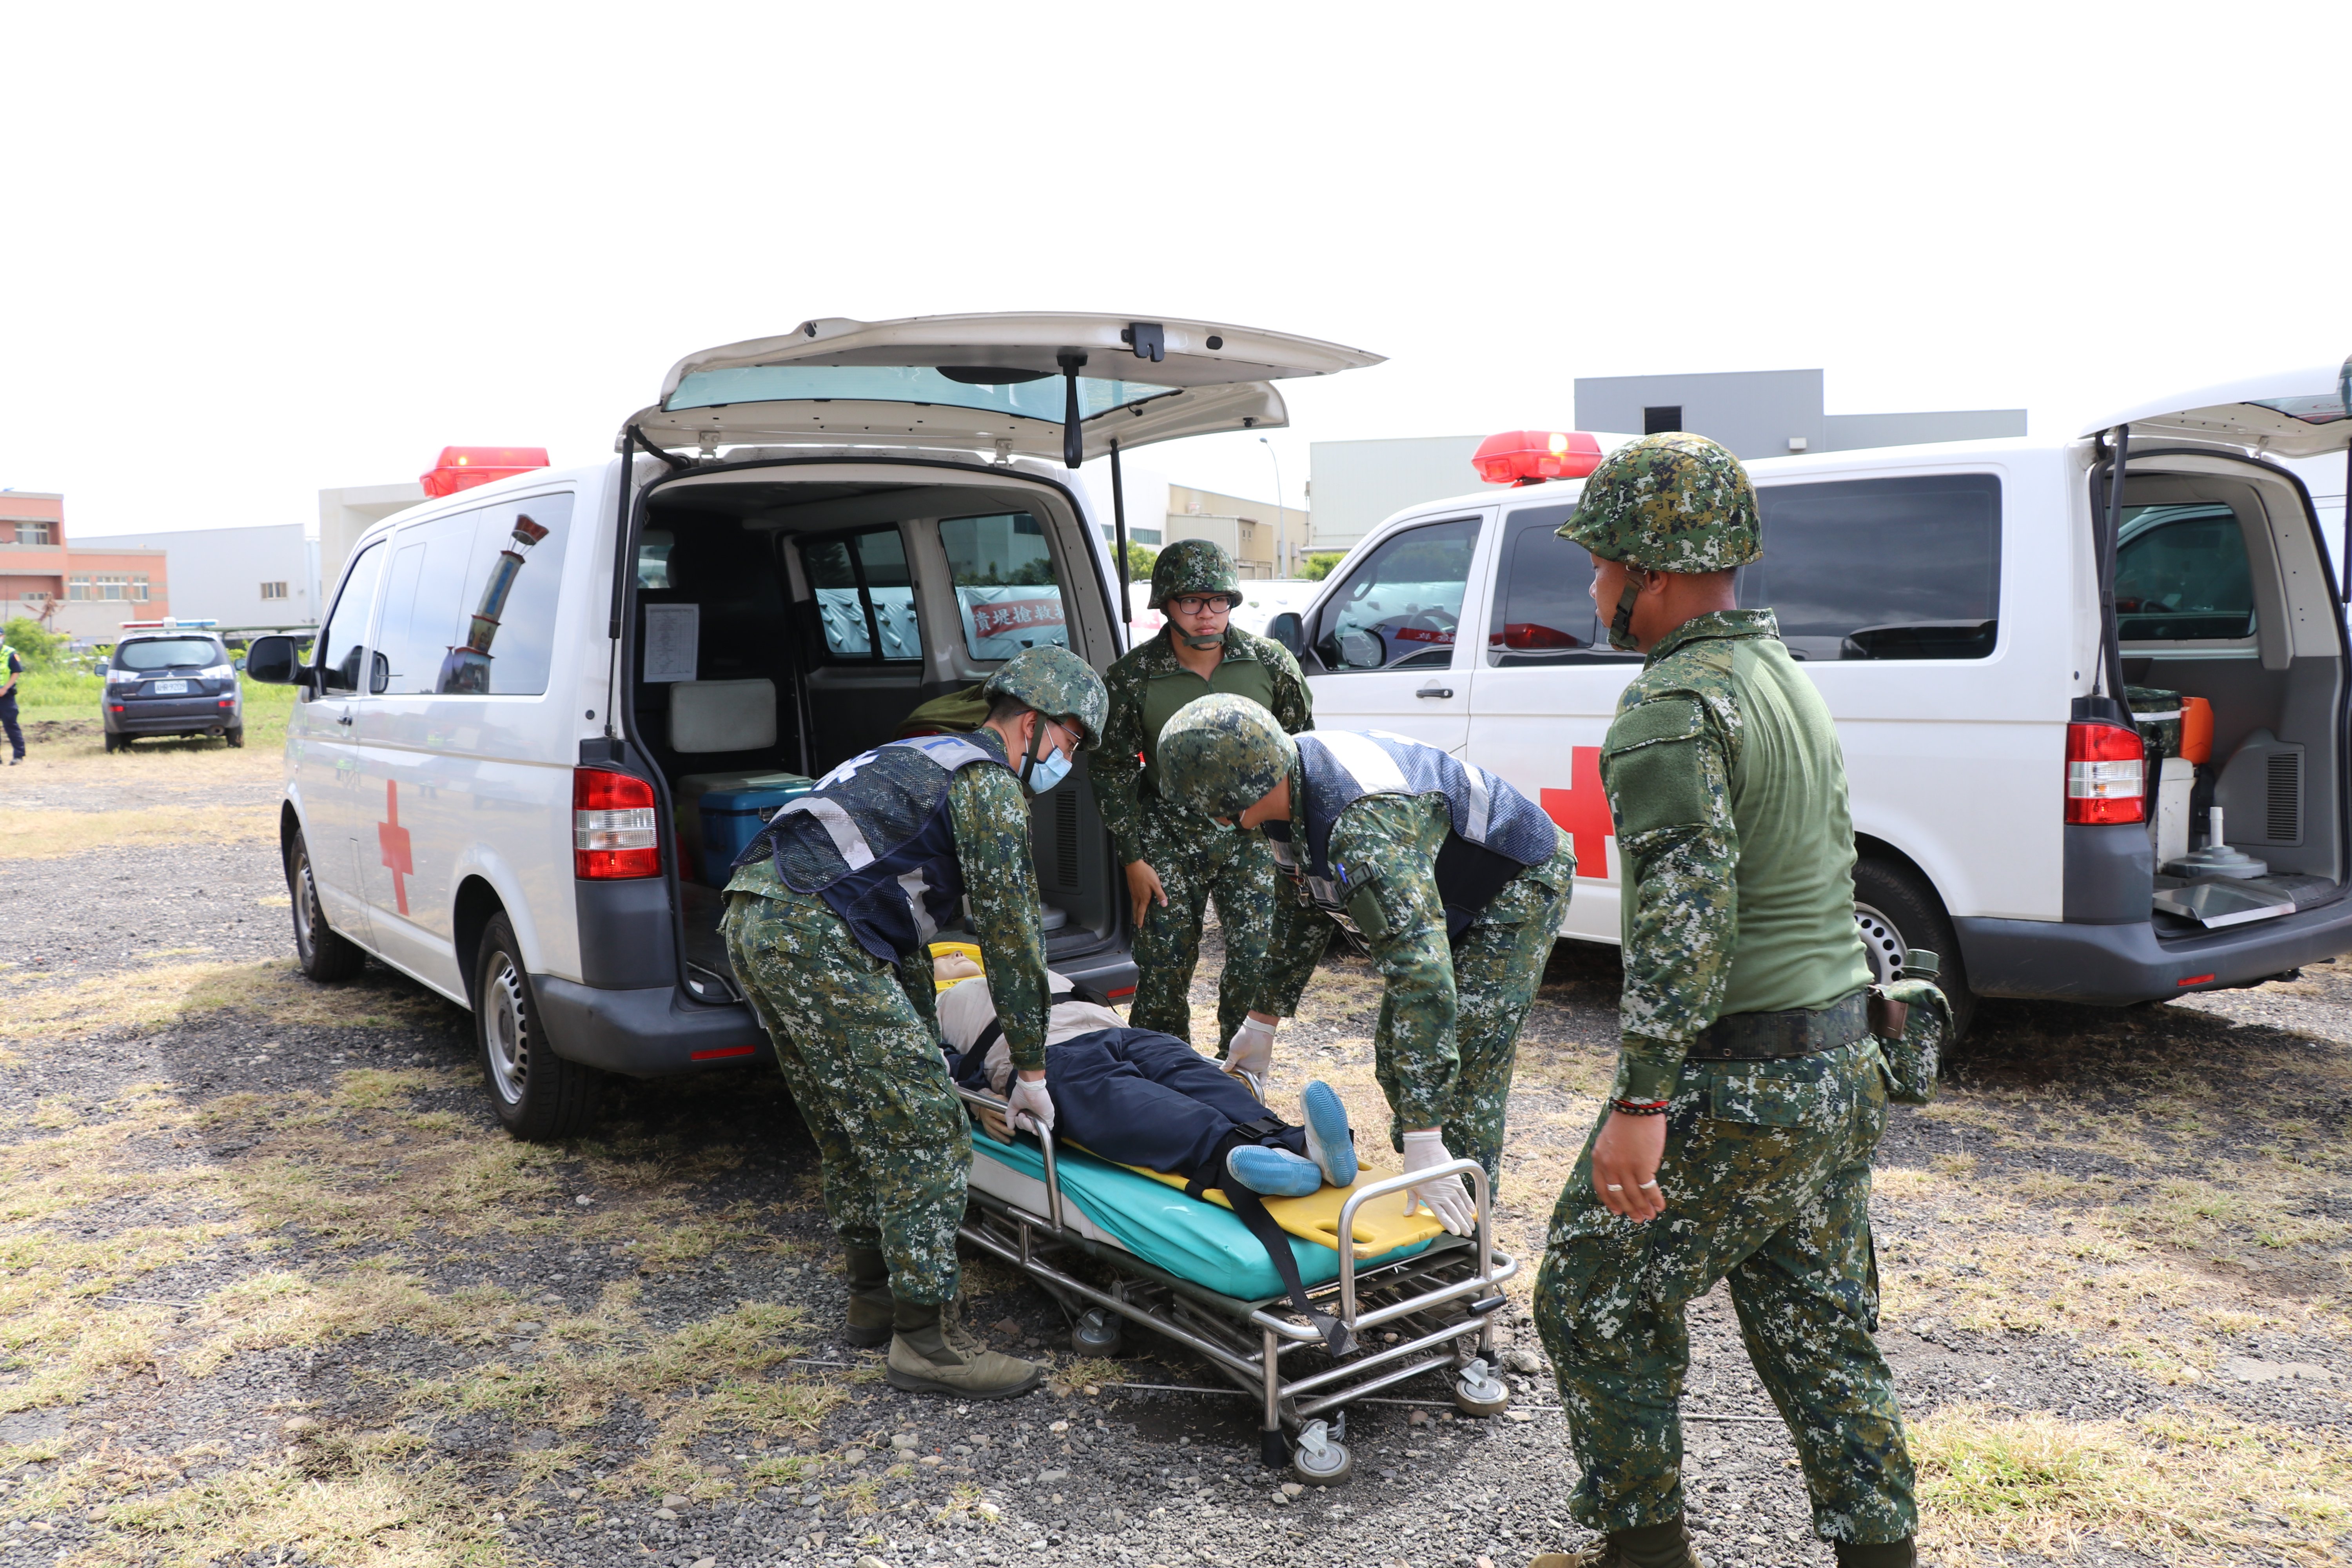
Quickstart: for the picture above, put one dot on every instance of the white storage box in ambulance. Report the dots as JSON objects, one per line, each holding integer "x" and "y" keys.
{"x": 1947, "y": 601}
{"x": 498, "y": 753}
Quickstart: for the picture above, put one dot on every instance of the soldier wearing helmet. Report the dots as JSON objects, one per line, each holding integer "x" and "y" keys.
{"x": 1453, "y": 881}
{"x": 1748, "y": 1098}
{"x": 1177, "y": 861}
{"x": 830, "y": 914}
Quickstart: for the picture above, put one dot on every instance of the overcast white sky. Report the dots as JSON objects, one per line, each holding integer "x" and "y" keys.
{"x": 253, "y": 252}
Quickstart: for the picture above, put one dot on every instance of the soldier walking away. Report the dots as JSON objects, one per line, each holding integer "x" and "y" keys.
{"x": 14, "y": 671}
{"x": 1178, "y": 861}
{"x": 1454, "y": 880}
{"x": 830, "y": 913}
{"x": 1738, "y": 1139}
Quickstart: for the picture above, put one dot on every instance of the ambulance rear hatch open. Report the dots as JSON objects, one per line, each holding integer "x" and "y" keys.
{"x": 2224, "y": 650}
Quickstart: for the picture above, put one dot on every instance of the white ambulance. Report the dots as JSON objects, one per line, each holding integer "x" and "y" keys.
{"x": 543, "y": 711}
{"x": 2010, "y": 647}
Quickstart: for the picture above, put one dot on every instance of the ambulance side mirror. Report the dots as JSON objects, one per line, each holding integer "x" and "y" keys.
{"x": 1286, "y": 630}
{"x": 271, "y": 660}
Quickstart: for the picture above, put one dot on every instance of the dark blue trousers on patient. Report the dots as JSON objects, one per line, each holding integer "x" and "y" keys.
{"x": 1137, "y": 1097}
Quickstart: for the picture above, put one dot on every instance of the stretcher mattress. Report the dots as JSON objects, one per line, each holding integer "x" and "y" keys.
{"x": 1196, "y": 1240}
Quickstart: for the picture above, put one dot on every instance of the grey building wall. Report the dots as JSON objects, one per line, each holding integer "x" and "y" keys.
{"x": 1352, "y": 485}
{"x": 1756, "y": 412}
{"x": 1846, "y": 432}
{"x": 217, "y": 573}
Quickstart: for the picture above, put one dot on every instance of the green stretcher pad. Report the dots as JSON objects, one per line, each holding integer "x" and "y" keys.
{"x": 1189, "y": 1237}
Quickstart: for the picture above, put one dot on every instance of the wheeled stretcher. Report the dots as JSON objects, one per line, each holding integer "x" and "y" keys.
{"x": 1190, "y": 1270}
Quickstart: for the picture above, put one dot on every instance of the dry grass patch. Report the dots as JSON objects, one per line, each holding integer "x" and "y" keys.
{"x": 161, "y": 995}
{"x": 33, "y": 834}
{"x": 2187, "y": 1488}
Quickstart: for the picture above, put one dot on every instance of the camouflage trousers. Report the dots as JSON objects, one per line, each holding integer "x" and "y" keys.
{"x": 1197, "y": 862}
{"x": 1497, "y": 966}
{"x": 865, "y": 1067}
{"x": 1766, "y": 1181}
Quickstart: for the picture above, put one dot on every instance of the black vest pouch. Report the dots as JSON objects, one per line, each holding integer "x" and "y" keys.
{"x": 1469, "y": 877}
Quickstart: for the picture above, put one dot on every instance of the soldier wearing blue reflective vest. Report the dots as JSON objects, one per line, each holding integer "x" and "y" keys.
{"x": 830, "y": 912}
{"x": 1454, "y": 880}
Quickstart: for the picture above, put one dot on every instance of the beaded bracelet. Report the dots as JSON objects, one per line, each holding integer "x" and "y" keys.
{"x": 1639, "y": 1107}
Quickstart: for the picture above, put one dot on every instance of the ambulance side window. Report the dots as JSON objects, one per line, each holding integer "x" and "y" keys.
{"x": 2181, "y": 576}
{"x": 1882, "y": 569}
{"x": 1543, "y": 613}
{"x": 1004, "y": 585}
{"x": 501, "y": 641}
{"x": 1403, "y": 607}
{"x": 420, "y": 599}
{"x": 343, "y": 647}
{"x": 864, "y": 596}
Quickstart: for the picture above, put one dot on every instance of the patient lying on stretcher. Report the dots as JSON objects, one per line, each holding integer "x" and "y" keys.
{"x": 1139, "y": 1097}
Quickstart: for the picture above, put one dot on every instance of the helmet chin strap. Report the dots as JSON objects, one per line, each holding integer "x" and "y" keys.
{"x": 1036, "y": 742}
{"x": 1203, "y": 643}
{"x": 1620, "y": 628}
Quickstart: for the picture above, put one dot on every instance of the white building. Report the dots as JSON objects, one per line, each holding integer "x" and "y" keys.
{"x": 345, "y": 514}
{"x": 260, "y": 577}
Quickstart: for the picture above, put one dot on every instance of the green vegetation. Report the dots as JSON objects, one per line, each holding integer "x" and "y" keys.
{"x": 1318, "y": 563}
{"x": 33, "y": 644}
{"x": 1139, "y": 562}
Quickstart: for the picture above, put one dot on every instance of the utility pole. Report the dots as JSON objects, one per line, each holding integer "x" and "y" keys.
{"x": 1281, "y": 527}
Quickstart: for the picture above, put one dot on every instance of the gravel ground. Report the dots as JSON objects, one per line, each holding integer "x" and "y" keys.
{"x": 277, "y": 1250}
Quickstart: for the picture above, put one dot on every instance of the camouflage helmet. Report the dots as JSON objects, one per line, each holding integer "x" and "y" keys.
{"x": 1221, "y": 753}
{"x": 1058, "y": 684}
{"x": 1194, "y": 566}
{"x": 1674, "y": 502}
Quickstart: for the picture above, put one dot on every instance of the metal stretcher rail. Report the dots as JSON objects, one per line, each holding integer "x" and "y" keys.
{"x": 1438, "y": 1298}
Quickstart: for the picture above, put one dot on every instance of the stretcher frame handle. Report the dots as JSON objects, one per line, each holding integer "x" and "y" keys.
{"x": 1381, "y": 1188}
{"x": 1045, "y": 1137}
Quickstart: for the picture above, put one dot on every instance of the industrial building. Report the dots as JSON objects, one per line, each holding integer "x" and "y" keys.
{"x": 260, "y": 577}
{"x": 1757, "y": 414}
{"x": 86, "y": 590}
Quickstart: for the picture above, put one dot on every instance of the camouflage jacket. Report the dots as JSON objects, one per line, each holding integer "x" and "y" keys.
{"x": 988, "y": 811}
{"x": 1117, "y": 768}
{"x": 1683, "y": 790}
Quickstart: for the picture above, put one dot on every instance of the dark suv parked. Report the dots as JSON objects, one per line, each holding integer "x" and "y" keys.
{"x": 171, "y": 683}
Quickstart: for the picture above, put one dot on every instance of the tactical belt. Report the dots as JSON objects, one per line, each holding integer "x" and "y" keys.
{"x": 1770, "y": 1036}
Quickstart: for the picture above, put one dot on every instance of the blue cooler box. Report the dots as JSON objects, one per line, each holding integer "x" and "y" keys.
{"x": 732, "y": 818}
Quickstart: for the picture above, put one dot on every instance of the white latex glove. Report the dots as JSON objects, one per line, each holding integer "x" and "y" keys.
{"x": 1251, "y": 1050}
{"x": 1443, "y": 1197}
{"x": 1029, "y": 1105}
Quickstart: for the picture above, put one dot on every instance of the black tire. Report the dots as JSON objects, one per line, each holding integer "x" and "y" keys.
{"x": 236, "y": 736}
{"x": 324, "y": 954}
{"x": 538, "y": 1096}
{"x": 111, "y": 742}
{"x": 1897, "y": 910}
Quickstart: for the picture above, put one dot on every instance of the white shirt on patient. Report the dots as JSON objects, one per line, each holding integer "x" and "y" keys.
{"x": 966, "y": 1008}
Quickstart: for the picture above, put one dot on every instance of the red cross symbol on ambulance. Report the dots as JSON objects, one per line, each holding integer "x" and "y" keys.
{"x": 392, "y": 840}
{"x": 1582, "y": 812}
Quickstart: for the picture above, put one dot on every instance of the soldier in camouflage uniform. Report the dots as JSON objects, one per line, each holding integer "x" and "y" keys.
{"x": 1178, "y": 861}
{"x": 1748, "y": 1098}
{"x": 830, "y": 913}
{"x": 1358, "y": 823}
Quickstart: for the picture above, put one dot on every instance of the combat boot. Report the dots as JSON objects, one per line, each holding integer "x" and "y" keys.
{"x": 931, "y": 1354}
{"x": 870, "y": 1308}
{"x": 1903, "y": 1554}
{"x": 1666, "y": 1545}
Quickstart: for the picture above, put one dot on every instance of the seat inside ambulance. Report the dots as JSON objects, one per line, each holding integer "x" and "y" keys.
{"x": 783, "y": 627}
{"x": 2220, "y": 595}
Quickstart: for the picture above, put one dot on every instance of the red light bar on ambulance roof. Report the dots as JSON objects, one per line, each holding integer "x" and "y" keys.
{"x": 463, "y": 468}
{"x": 1531, "y": 456}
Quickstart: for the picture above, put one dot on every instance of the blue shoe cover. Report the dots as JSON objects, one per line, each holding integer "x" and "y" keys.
{"x": 1274, "y": 1173}
{"x": 1328, "y": 1142}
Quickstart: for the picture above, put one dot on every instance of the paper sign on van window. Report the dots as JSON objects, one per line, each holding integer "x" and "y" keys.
{"x": 673, "y": 632}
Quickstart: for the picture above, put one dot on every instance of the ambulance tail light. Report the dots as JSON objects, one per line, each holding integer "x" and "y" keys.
{"x": 2107, "y": 774}
{"x": 614, "y": 834}
{"x": 1531, "y": 456}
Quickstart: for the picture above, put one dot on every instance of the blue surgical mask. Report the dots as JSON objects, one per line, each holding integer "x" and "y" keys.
{"x": 1047, "y": 770}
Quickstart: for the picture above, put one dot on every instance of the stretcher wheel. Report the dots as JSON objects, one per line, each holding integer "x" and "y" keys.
{"x": 1478, "y": 1391}
{"x": 1097, "y": 1333}
{"x": 1320, "y": 1462}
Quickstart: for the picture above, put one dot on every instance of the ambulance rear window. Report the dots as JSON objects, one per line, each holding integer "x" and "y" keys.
{"x": 1882, "y": 569}
{"x": 168, "y": 653}
{"x": 2181, "y": 576}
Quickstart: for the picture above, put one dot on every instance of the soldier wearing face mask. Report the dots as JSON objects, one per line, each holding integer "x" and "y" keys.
{"x": 830, "y": 914}
{"x": 1178, "y": 861}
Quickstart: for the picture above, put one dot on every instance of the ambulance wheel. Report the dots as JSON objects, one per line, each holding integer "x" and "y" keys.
{"x": 1896, "y": 912}
{"x": 322, "y": 951}
{"x": 538, "y": 1095}
{"x": 236, "y": 736}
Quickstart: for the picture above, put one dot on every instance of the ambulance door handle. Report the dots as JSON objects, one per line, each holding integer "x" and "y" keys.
{"x": 1434, "y": 691}
{"x": 345, "y": 720}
